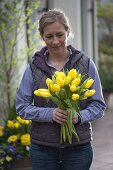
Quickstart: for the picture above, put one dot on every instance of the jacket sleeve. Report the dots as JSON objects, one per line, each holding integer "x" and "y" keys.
{"x": 97, "y": 107}
{"x": 24, "y": 100}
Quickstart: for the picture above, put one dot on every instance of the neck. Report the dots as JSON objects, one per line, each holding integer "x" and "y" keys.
{"x": 58, "y": 57}
{"x": 58, "y": 60}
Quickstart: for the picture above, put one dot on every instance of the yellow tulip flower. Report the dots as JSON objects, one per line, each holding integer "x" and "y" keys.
{"x": 49, "y": 82}
{"x": 42, "y": 93}
{"x": 56, "y": 73}
{"x": 55, "y": 88}
{"x": 79, "y": 76}
{"x": 73, "y": 88}
{"x": 76, "y": 81}
{"x": 62, "y": 75}
{"x": 72, "y": 73}
{"x": 75, "y": 97}
{"x": 60, "y": 81}
{"x": 67, "y": 80}
{"x": 89, "y": 83}
{"x": 89, "y": 93}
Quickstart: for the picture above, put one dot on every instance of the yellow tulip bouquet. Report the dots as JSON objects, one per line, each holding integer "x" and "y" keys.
{"x": 14, "y": 140}
{"x": 66, "y": 90}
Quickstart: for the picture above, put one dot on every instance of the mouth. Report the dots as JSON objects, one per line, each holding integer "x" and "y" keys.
{"x": 56, "y": 47}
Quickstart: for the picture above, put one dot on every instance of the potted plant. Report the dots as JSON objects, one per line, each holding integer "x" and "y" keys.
{"x": 14, "y": 142}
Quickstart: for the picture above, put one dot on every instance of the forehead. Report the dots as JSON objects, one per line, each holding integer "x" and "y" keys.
{"x": 53, "y": 28}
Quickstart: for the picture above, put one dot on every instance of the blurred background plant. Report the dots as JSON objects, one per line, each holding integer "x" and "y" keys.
{"x": 14, "y": 140}
{"x": 105, "y": 32}
{"x": 19, "y": 38}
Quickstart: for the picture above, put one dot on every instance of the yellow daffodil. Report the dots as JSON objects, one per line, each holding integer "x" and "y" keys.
{"x": 55, "y": 88}
{"x": 76, "y": 81}
{"x": 1, "y": 131}
{"x": 27, "y": 122}
{"x": 22, "y": 121}
{"x": 25, "y": 139}
{"x": 89, "y": 93}
{"x": 75, "y": 96}
{"x": 17, "y": 125}
{"x": 12, "y": 138}
{"x": 73, "y": 88}
{"x": 89, "y": 83}
{"x": 10, "y": 124}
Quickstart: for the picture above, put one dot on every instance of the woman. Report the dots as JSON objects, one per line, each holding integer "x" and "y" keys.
{"x": 46, "y": 152}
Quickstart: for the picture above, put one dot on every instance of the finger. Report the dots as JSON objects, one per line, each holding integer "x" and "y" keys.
{"x": 59, "y": 119}
{"x": 75, "y": 119}
{"x": 62, "y": 111}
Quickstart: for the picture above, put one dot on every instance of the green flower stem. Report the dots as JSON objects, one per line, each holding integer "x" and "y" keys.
{"x": 61, "y": 132}
{"x": 69, "y": 135}
{"x": 68, "y": 129}
{"x": 75, "y": 132}
{"x": 64, "y": 132}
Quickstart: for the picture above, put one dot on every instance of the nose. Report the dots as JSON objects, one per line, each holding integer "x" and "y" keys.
{"x": 55, "y": 40}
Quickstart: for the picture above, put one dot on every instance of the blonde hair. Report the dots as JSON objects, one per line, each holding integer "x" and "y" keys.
{"x": 54, "y": 15}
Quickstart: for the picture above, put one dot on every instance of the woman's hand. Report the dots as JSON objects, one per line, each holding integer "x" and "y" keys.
{"x": 59, "y": 115}
{"x": 75, "y": 119}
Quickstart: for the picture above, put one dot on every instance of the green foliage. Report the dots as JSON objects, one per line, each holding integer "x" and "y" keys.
{"x": 106, "y": 72}
{"x": 105, "y": 22}
{"x": 105, "y": 11}
{"x": 106, "y": 44}
{"x": 15, "y": 16}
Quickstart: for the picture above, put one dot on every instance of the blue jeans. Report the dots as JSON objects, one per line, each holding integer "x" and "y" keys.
{"x": 69, "y": 158}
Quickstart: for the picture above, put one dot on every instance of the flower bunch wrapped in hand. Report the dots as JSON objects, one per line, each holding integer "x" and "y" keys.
{"x": 66, "y": 90}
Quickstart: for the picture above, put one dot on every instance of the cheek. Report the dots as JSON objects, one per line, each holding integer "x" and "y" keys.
{"x": 46, "y": 41}
{"x": 64, "y": 42}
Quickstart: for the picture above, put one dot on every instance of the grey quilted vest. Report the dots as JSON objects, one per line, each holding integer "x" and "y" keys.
{"x": 45, "y": 133}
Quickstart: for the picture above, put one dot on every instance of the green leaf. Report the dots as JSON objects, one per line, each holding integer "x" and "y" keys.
{"x": 67, "y": 101}
{"x": 57, "y": 102}
{"x": 63, "y": 93}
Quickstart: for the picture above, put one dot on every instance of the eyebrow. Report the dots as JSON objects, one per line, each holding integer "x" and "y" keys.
{"x": 56, "y": 33}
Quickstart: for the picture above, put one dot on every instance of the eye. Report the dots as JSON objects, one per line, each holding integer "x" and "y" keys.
{"x": 60, "y": 35}
{"x": 50, "y": 36}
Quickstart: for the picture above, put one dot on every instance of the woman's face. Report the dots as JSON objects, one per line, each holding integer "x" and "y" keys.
{"x": 55, "y": 37}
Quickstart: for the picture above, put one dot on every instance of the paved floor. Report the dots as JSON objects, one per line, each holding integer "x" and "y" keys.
{"x": 103, "y": 140}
